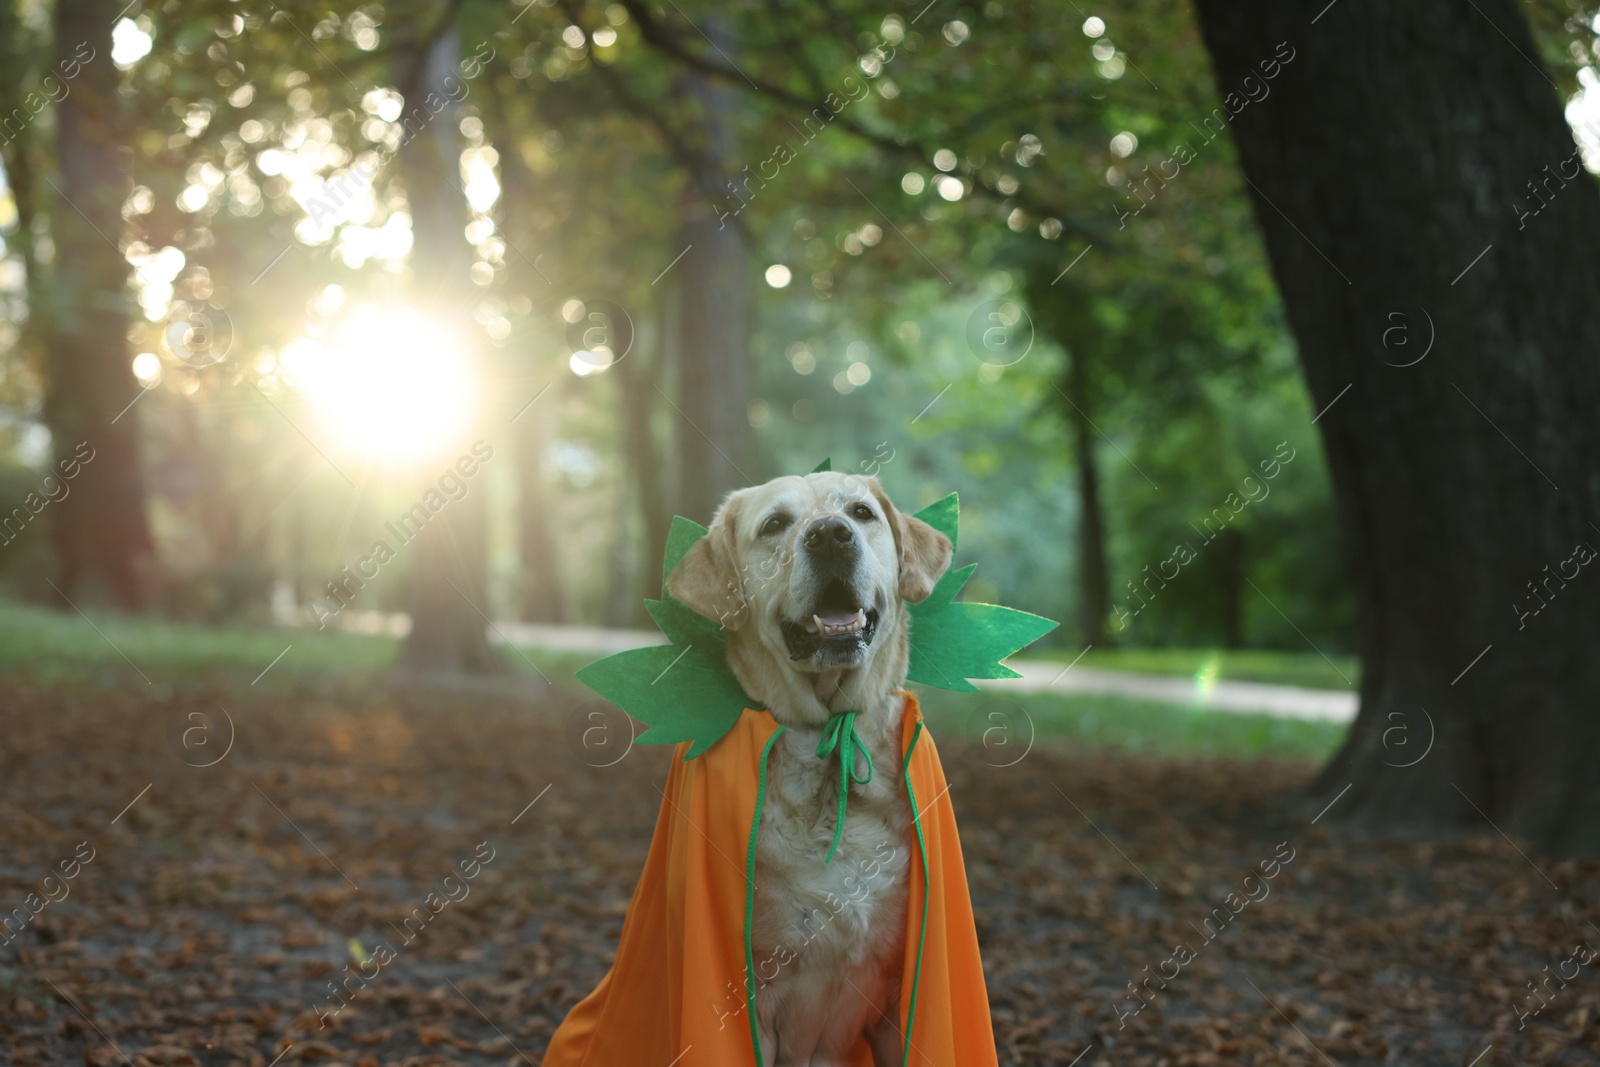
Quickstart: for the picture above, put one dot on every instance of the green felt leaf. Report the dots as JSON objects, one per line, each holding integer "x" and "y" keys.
{"x": 685, "y": 691}
{"x": 680, "y": 538}
{"x": 944, "y": 515}
{"x": 684, "y": 626}
{"x": 682, "y": 693}
{"x": 825, "y": 465}
{"x": 954, "y": 641}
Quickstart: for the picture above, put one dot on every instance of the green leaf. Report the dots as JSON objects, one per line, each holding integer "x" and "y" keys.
{"x": 680, "y": 538}
{"x": 943, "y": 515}
{"x": 685, "y": 691}
{"x": 681, "y": 693}
{"x": 684, "y": 626}
{"x": 825, "y": 465}
{"x": 954, "y": 641}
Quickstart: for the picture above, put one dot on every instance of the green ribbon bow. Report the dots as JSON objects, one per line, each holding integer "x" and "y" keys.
{"x": 840, "y": 734}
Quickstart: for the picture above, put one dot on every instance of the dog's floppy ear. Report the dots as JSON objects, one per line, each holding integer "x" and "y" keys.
{"x": 924, "y": 552}
{"x": 707, "y": 579}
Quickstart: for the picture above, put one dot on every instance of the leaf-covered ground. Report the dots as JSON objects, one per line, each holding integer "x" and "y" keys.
{"x": 219, "y": 903}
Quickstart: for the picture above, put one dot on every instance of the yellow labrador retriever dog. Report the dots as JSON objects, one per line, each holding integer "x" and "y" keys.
{"x": 811, "y": 575}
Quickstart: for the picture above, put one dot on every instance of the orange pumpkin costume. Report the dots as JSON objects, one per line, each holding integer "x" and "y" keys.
{"x": 682, "y": 989}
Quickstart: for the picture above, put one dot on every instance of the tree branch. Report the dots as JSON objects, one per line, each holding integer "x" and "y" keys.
{"x": 663, "y": 40}
{"x": 677, "y": 144}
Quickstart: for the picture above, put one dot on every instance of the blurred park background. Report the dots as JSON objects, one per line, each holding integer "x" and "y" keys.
{"x": 337, "y": 248}
{"x": 602, "y": 261}
{"x": 345, "y": 349}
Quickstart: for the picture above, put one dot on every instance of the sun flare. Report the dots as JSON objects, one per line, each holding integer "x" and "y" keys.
{"x": 390, "y": 383}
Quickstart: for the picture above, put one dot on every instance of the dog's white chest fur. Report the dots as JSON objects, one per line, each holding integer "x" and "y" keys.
{"x": 829, "y": 938}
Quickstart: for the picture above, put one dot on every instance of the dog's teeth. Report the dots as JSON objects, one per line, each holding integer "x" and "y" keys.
{"x": 854, "y": 623}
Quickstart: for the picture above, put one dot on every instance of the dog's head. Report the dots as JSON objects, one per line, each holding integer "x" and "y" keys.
{"x": 812, "y": 574}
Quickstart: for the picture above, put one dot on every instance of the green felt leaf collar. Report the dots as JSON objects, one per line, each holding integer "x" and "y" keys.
{"x": 685, "y": 690}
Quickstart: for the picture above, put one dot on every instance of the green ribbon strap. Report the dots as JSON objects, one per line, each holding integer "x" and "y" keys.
{"x": 840, "y": 734}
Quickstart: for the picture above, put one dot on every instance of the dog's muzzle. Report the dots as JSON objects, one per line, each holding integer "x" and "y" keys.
{"x": 841, "y": 623}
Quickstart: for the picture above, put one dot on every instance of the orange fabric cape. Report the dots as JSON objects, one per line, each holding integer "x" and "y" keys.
{"x": 682, "y": 987}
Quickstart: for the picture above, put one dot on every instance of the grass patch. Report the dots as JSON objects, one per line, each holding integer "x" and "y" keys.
{"x": 113, "y": 650}
{"x": 61, "y": 646}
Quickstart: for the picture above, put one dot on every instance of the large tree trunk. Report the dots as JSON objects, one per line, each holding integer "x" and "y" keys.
{"x": 1389, "y": 165}
{"x": 99, "y": 532}
{"x": 711, "y": 350}
{"x": 449, "y": 598}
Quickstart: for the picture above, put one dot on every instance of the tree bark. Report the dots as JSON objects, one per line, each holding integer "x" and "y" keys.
{"x": 638, "y": 387}
{"x": 712, "y": 344}
{"x": 99, "y": 532}
{"x": 1065, "y": 314}
{"x": 1390, "y": 163}
{"x": 449, "y": 598}
{"x": 1231, "y": 574}
{"x": 1094, "y": 592}
{"x": 619, "y": 605}
{"x": 542, "y": 596}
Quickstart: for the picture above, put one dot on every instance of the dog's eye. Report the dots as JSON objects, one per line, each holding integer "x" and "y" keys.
{"x": 863, "y": 512}
{"x": 775, "y": 524}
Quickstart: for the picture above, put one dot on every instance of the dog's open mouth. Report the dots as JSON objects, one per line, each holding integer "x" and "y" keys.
{"x": 839, "y": 628}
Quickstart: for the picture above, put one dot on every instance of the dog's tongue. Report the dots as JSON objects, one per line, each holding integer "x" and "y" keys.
{"x": 838, "y": 620}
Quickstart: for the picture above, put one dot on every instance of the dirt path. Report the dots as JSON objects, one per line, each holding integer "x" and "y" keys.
{"x": 1283, "y": 700}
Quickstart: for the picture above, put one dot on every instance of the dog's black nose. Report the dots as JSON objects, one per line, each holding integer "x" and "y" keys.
{"x": 830, "y": 536}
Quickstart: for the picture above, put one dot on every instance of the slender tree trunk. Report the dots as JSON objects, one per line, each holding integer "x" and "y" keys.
{"x": 1094, "y": 593}
{"x": 1065, "y": 314}
{"x": 100, "y": 535}
{"x": 449, "y": 598}
{"x": 1231, "y": 552}
{"x": 638, "y": 379}
{"x": 620, "y": 605}
{"x": 712, "y": 347}
{"x": 296, "y": 519}
{"x": 542, "y": 595}
{"x": 1390, "y": 166}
